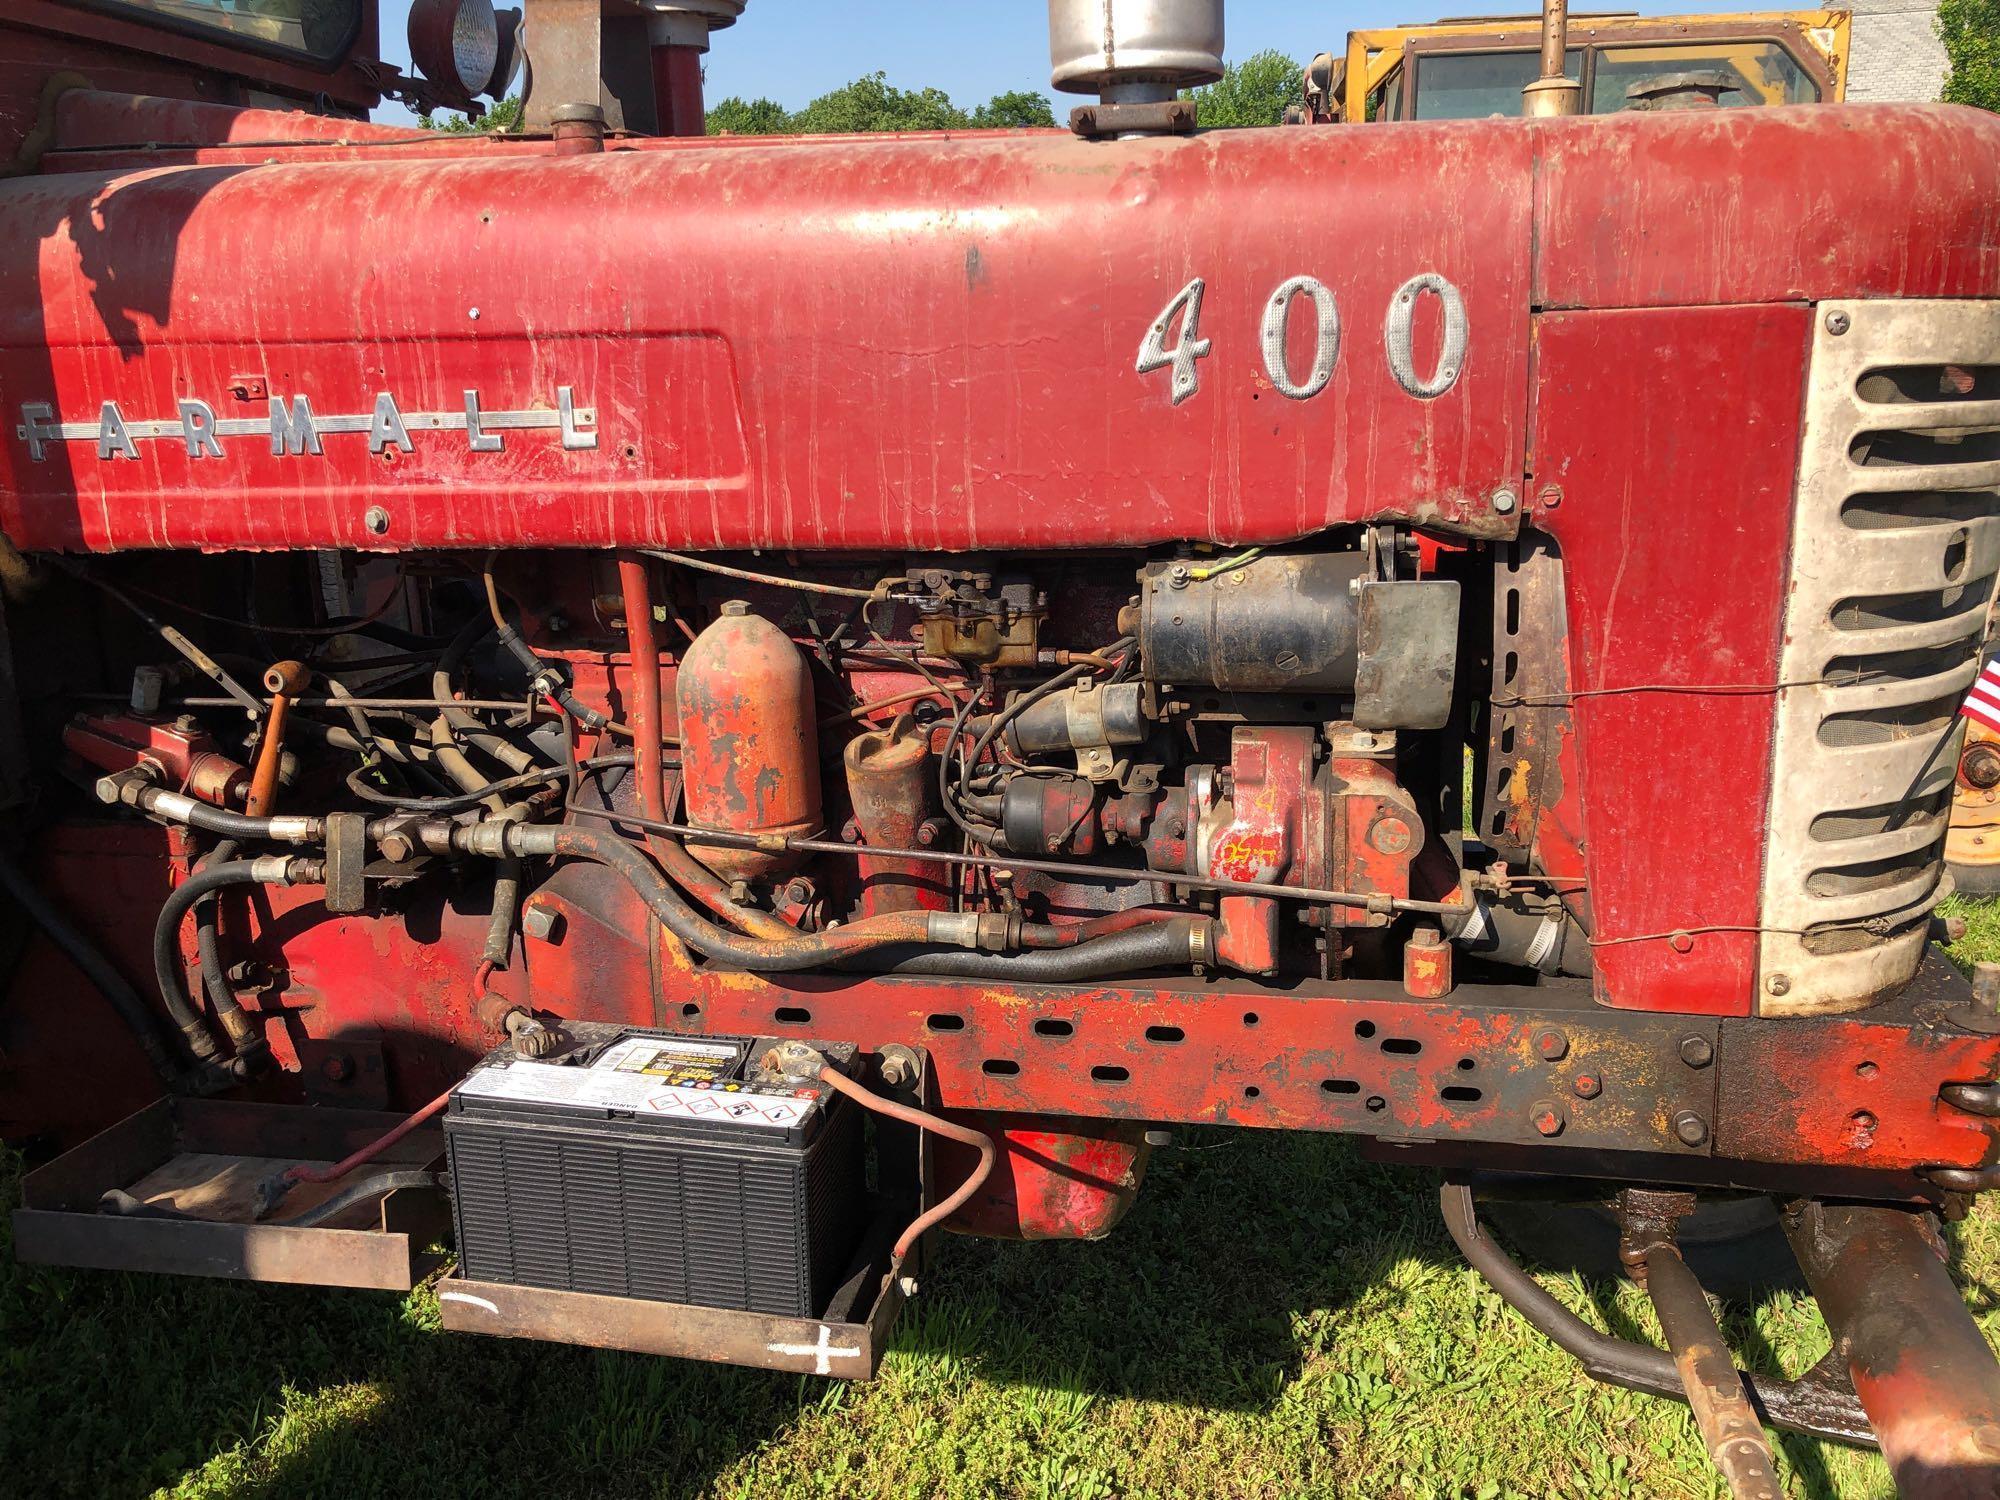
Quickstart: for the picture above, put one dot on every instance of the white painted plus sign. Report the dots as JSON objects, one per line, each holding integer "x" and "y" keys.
{"x": 824, "y": 1352}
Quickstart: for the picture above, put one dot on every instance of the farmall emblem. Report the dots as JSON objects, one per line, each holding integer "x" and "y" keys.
{"x": 293, "y": 428}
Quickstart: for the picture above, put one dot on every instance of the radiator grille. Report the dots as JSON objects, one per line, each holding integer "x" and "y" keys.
{"x": 1896, "y": 544}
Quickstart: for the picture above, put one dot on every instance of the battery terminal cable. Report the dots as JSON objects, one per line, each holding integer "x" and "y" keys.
{"x": 965, "y": 1135}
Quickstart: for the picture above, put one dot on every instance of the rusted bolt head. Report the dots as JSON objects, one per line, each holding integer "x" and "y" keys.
{"x": 1178, "y": 575}
{"x": 927, "y": 834}
{"x": 1838, "y": 322}
{"x": 1587, "y": 1086}
{"x": 337, "y": 1068}
{"x": 1778, "y": 984}
{"x": 1390, "y": 835}
{"x": 1551, "y": 1046}
{"x": 376, "y": 519}
{"x": 396, "y": 847}
{"x": 799, "y": 892}
{"x": 1690, "y": 1128}
{"x": 1697, "y": 1051}
{"x": 539, "y": 921}
{"x": 1551, "y": 496}
{"x": 1548, "y": 1118}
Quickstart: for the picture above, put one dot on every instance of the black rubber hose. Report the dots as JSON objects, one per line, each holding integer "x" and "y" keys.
{"x": 1157, "y": 945}
{"x": 462, "y": 724}
{"x": 138, "y": 1017}
{"x": 244, "y": 1036}
{"x": 167, "y": 969}
{"x": 1821, "y": 1411}
{"x": 1166, "y": 944}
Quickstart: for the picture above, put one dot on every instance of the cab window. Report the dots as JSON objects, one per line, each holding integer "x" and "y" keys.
{"x": 320, "y": 30}
{"x": 1762, "y": 72}
{"x": 1475, "y": 85}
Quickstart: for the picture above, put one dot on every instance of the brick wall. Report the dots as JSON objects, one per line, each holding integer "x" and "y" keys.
{"x": 1896, "y": 54}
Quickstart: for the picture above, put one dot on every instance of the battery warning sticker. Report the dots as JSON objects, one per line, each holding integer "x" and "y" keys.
{"x": 634, "y": 1076}
{"x": 673, "y": 1061}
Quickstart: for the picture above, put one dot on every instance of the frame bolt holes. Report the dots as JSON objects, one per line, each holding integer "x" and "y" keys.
{"x": 1548, "y": 1118}
{"x": 1504, "y": 501}
{"x": 376, "y": 519}
{"x": 1587, "y": 1086}
{"x": 1551, "y": 1046}
{"x": 1861, "y": 1130}
{"x": 1866, "y": 1070}
{"x": 1697, "y": 1051}
{"x": 1838, "y": 322}
{"x": 1690, "y": 1129}
{"x": 1778, "y": 984}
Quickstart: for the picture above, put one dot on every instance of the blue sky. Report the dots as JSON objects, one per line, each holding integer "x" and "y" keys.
{"x": 795, "y": 50}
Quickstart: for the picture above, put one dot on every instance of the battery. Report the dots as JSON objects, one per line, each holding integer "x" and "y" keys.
{"x": 649, "y": 1164}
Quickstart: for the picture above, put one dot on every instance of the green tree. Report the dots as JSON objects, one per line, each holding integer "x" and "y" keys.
{"x": 872, "y": 103}
{"x": 1014, "y": 110}
{"x": 506, "y": 115}
{"x": 1970, "y": 30}
{"x": 1256, "y": 91}
{"x": 734, "y": 116}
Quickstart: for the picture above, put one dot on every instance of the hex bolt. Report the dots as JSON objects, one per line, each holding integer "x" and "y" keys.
{"x": 1778, "y": 984}
{"x": 337, "y": 1068}
{"x": 897, "y": 1070}
{"x": 538, "y": 921}
{"x": 1838, "y": 322}
{"x": 1504, "y": 502}
{"x": 1551, "y": 1046}
{"x": 396, "y": 847}
{"x": 1587, "y": 1086}
{"x": 1690, "y": 1128}
{"x": 376, "y": 519}
{"x": 1178, "y": 576}
{"x": 1697, "y": 1051}
{"x": 1548, "y": 1118}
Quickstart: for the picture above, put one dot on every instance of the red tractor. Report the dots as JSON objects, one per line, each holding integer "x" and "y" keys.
{"x": 801, "y": 690}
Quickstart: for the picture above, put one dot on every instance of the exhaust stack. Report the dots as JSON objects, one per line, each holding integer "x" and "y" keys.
{"x": 1136, "y": 56}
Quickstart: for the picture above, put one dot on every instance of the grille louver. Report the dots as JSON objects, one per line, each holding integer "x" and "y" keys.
{"x": 1896, "y": 544}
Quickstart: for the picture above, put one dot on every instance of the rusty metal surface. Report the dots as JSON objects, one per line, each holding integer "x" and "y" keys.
{"x": 1860, "y": 1090}
{"x": 1729, "y": 1425}
{"x": 58, "y": 1223}
{"x": 804, "y": 1346}
{"x": 1920, "y": 1364}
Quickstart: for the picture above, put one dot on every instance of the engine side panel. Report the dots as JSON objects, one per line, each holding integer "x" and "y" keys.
{"x": 1673, "y": 515}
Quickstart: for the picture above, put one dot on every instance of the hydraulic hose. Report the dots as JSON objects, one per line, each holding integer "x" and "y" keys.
{"x": 1173, "y": 943}
{"x": 797, "y": 950}
{"x": 244, "y": 1037}
{"x": 94, "y": 966}
{"x": 938, "y": 1212}
{"x": 872, "y": 941}
{"x": 1046, "y": 935}
{"x": 167, "y": 971}
{"x": 461, "y": 724}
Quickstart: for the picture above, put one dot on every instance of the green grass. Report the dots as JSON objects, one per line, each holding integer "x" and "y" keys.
{"x": 1276, "y": 1318}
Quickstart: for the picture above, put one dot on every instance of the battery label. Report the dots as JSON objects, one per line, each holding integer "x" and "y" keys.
{"x": 634, "y": 1076}
{"x": 685, "y": 1063}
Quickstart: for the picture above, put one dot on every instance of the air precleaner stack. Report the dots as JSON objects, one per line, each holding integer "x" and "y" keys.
{"x": 650, "y": 1165}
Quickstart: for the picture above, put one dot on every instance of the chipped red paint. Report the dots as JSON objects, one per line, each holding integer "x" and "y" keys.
{"x": 1056, "y": 1179}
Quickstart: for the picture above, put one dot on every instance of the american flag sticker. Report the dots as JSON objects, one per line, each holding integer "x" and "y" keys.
{"x": 1983, "y": 702}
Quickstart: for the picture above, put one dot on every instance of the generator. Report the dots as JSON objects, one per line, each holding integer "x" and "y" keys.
{"x": 637, "y": 1163}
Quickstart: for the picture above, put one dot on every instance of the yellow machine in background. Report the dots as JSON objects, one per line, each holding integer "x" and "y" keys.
{"x": 1478, "y": 66}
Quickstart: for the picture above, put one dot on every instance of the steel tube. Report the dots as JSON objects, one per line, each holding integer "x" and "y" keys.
{"x": 1794, "y": 1405}
{"x": 1729, "y": 1426}
{"x": 1921, "y": 1367}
